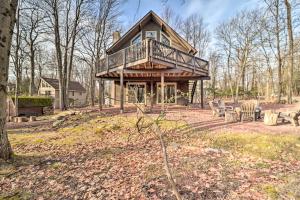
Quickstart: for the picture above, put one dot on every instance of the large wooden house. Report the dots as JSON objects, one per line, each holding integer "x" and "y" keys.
{"x": 152, "y": 62}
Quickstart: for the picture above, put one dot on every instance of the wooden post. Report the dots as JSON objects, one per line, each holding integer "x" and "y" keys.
{"x": 100, "y": 94}
{"x": 194, "y": 64}
{"x": 106, "y": 64}
{"x": 151, "y": 94}
{"x": 162, "y": 90}
{"x": 122, "y": 91}
{"x": 122, "y": 83}
{"x": 201, "y": 93}
{"x": 176, "y": 55}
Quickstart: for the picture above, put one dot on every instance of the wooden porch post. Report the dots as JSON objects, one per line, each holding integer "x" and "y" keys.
{"x": 201, "y": 93}
{"x": 151, "y": 94}
{"x": 100, "y": 93}
{"x": 122, "y": 91}
{"x": 122, "y": 83}
{"x": 162, "y": 90}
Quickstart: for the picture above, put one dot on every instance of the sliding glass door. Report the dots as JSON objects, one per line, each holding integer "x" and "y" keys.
{"x": 170, "y": 93}
{"x": 136, "y": 92}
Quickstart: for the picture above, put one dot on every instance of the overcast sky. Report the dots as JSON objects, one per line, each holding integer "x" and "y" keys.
{"x": 212, "y": 11}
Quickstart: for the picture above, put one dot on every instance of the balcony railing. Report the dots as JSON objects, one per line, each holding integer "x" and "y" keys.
{"x": 151, "y": 49}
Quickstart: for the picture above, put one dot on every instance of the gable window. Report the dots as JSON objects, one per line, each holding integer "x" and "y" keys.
{"x": 137, "y": 39}
{"x": 73, "y": 93}
{"x": 151, "y": 35}
{"x": 165, "y": 39}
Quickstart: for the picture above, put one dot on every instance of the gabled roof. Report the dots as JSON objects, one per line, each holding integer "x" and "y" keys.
{"x": 137, "y": 27}
{"x": 74, "y": 85}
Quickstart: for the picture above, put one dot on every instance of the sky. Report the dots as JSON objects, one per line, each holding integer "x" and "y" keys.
{"x": 212, "y": 11}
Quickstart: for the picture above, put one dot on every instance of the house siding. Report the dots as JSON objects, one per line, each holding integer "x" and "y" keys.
{"x": 79, "y": 100}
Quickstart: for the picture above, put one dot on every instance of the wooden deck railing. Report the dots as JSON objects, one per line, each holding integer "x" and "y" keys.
{"x": 151, "y": 49}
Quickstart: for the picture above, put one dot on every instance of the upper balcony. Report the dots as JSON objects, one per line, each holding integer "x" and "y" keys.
{"x": 152, "y": 57}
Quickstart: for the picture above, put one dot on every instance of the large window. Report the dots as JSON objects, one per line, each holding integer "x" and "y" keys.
{"x": 165, "y": 39}
{"x": 151, "y": 35}
{"x": 170, "y": 93}
{"x": 136, "y": 92}
{"x": 137, "y": 39}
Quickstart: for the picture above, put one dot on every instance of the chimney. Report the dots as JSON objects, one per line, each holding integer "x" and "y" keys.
{"x": 116, "y": 36}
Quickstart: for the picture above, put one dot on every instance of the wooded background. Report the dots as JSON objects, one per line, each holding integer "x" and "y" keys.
{"x": 256, "y": 53}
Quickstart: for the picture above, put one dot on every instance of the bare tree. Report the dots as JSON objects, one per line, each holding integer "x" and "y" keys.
{"x": 214, "y": 59}
{"x": 225, "y": 43}
{"x": 97, "y": 36}
{"x": 291, "y": 50}
{"x": 32, "y": 28}
{"x": 63, "y": 23}
{"x": 16, "y": 57}
{"x": 7, "y": 21}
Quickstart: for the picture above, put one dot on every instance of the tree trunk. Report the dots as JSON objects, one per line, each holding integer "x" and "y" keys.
{"x": 32, "y": 72}
{"x": 17, "y": 64}
{"x": 291, "y": 51}
{"x": 7, "y": 22}
{"x": 74, "y": 34}
{"x": 279, "y": 84}
{"x": 92, "y": 86}
{"x": 62, "y": 92}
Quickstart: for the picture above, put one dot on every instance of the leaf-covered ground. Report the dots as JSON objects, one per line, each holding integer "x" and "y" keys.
{"x": 101, "y": 156}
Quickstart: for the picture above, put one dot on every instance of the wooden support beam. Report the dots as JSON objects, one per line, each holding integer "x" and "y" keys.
{"x": 201, "y": 93}
{"x": 121, "y": 92}
{"x": 100, "y": 93}
{"x": 162, "y": 90}
{"x": 151, "y": 94}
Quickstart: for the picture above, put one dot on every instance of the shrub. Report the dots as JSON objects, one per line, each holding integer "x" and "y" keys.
{"x": 35, "y": 101}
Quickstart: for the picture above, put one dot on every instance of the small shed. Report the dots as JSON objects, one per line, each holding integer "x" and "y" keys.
{"x": 30, "y": 106}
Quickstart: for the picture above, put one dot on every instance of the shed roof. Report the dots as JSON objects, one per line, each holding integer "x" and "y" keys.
{"x": 74, "y": 85}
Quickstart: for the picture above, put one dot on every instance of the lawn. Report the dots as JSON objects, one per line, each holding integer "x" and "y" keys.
{"x": 105, "y": 157}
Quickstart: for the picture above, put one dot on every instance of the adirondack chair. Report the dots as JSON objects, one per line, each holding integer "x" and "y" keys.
{"x": 221, "y": 104}
{"x": 292, "y": 117}
{"x": 216, "y": 110}
{"x": 248, "y": 110}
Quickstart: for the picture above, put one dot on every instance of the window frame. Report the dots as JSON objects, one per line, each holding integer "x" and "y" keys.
{"x": 165, "y": 35}
{"x": 136, "y": 83}
{"x": 48, "y": 92}
{"x": 137, "y": 35}
{"x": 158, "y": 91}
{"x": 150, "y": 32}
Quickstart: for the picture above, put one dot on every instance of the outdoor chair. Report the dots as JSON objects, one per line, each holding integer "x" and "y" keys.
{"x": 221, "y": 104}
{"x": 219, "y": 108}
{"x": 249, "y": 110}
{"x": 215, "y": 109}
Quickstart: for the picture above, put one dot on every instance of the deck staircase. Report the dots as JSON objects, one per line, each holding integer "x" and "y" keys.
{"x": 192, "y": 90}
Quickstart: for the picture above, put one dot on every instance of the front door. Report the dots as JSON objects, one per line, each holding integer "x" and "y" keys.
{"x": 136, "y": 92}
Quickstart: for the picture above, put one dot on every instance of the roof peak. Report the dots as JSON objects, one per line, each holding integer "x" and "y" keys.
{"x": 161, "y": 22}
